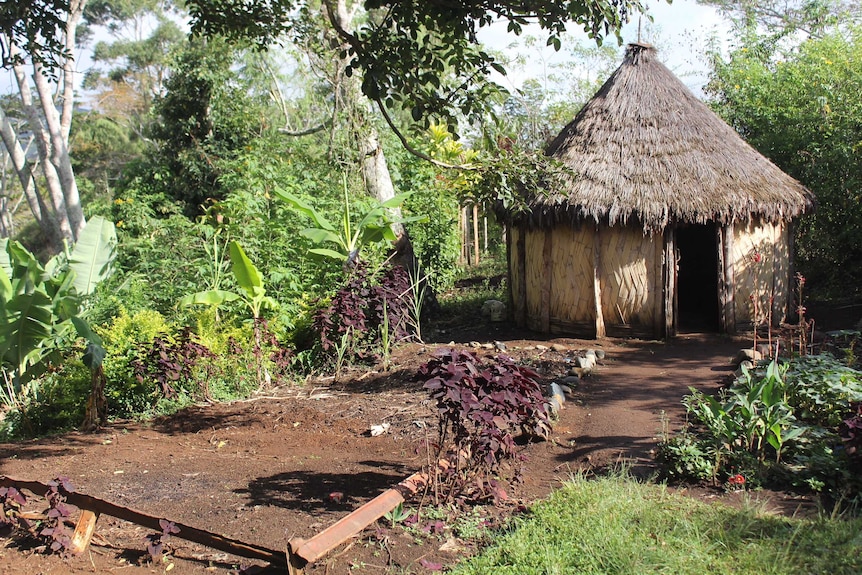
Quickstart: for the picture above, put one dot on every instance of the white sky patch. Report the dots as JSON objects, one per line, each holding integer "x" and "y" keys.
{"x": 680, "y": 31}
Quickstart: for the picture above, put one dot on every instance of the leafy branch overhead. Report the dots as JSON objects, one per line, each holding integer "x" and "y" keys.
{"x": 424, "y": 57}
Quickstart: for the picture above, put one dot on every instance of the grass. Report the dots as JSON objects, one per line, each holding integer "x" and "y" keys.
{"x": 616, "y": 525}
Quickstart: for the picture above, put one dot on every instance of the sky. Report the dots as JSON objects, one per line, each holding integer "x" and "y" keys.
{"x": 680, "y": 31}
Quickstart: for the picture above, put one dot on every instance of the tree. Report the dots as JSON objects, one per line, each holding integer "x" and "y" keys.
{"x": 41, "y": 36}
{"x": 811, "y": 17}
{"x": 131, "y": 68}
{"x": 802, "y": 108}
{"x": 420, "y": 56}
{"x": 206, "y": 115}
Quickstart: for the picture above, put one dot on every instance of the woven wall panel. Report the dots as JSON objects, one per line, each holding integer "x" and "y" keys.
{"x": 572, "y": 275}
{"x": 514, "y": 257}
{"x": 757, "y": 279}
{"x": 628, "y": 267}
{"x": 535, "y": 243}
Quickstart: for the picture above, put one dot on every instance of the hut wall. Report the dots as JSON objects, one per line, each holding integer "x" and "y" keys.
{"x": 534, "y": 269}
{"x": 572, "y": 304}
{"x": 761, "y": 272}
{"x": 557, "y": 291}
{"x": 630, "y": 270}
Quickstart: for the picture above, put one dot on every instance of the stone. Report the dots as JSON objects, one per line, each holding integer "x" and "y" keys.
{"x": 541, "y": 347}
{"x": 569, "y": 380}
{"x": 494, "y": 310}
{"x": 747, "y": 354}
{"x": 500, "y": 346}
{"x": 558, "y": 347}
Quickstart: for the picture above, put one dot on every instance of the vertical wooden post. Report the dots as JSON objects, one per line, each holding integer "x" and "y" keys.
{"x": 485, "y": 222}
{"x": 669, "y": 282}
{"x": 476, "y": 232}
{"x": 597, "y": 288}
{"x": 461, "y": 236}
{"x": 722, "y": 281}
{"x": 730, "y": 287}
{"x": 547, "y": 269}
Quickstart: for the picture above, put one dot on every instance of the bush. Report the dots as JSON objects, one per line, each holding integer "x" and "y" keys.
{"x": 777, "y": 425}
{"x": 365, "y": 316}
{"x": 481, "y": 407}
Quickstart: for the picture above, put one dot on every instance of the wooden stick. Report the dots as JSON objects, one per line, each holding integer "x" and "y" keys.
{"x": 98, "y": 506}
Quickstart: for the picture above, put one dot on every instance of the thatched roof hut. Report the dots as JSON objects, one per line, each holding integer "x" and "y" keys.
{"x": 666, "y": 215}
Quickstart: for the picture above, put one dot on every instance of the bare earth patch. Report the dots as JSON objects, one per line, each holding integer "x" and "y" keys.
{"x": 263, "y": 470}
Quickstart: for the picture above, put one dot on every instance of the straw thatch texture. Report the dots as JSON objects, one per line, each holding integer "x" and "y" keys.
{"x": 646, "y": 150}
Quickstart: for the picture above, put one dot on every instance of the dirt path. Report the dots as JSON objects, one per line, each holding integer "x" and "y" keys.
{"x": 265, "y": 470}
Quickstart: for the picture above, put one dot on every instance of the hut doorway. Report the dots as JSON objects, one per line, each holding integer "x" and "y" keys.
{"x": 697, "y": 278}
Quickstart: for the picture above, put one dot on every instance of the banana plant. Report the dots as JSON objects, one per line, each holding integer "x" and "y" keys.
{"x": 41, "y": 304}
{"x": 251, "y": 292}
{"x": 249, "y": 280}
{"x": 347, "y": 238}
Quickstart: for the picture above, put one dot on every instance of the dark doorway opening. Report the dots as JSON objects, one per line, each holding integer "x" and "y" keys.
{"x": 697, "y": 278}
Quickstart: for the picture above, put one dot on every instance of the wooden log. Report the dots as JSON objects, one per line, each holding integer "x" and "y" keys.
{"x": 83, "y": 531}
{"x": 729, "y": 282}
{"x": 350, "y": 525}
{"x": 100, "y": 506}
{"x": 669, "y": 290}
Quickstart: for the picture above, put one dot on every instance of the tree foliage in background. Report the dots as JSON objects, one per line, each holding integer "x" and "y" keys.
{"x": 207, "y": 114}
{"x": 802, "y": 108}
{"x": 813, "y": 18}
{"x": 423, "y": 57}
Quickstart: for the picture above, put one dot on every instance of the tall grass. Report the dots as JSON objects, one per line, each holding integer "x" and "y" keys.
{"x": 615, "y": 525}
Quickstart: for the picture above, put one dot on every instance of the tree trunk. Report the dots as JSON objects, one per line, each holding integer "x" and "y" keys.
{"x": 56, "y": 207}
{"x": 375, "y": 171}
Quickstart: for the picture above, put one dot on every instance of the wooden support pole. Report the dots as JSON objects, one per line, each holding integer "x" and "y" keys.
{"x": 729, "y": 281}
{"x": 476, "y": 233}
{"x": 597, "y": 287}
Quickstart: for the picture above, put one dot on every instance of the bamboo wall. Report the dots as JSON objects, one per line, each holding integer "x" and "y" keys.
{"x": 765, "y": 282}
{"x": 557, "y": 292}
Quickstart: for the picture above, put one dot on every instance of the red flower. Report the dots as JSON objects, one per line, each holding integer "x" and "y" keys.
{"x": 737, "y": 479}
{"x": 757, "y": 257}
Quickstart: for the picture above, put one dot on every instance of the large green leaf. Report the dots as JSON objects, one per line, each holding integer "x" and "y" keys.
{"x": 93, "y": 254}
{"x": 214, "y": 297}
{"x": 305, "y": 209}
{"x": 27, "y": 331}
{"x": 247, "y": 276}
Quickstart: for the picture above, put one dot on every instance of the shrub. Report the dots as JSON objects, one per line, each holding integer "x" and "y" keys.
{"x": 365, "y": 315}
{"x": 797, "y": 414}
{"x": 482, "y": 406}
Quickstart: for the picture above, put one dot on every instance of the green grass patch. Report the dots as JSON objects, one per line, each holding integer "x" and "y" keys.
{"x": 616, "y": 525}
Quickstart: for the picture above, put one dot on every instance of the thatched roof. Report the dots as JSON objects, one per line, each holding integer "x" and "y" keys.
{"x": 646, "y": 149}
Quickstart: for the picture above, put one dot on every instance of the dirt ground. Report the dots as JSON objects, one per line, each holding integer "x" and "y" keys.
{"x": 264, "y": 470}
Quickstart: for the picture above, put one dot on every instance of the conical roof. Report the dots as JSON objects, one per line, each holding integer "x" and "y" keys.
{"x": 645, "y": 149}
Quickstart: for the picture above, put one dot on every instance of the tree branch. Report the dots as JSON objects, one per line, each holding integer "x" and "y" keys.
{"x": 306, "y": 132}
{"x": 411, "y": 149}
